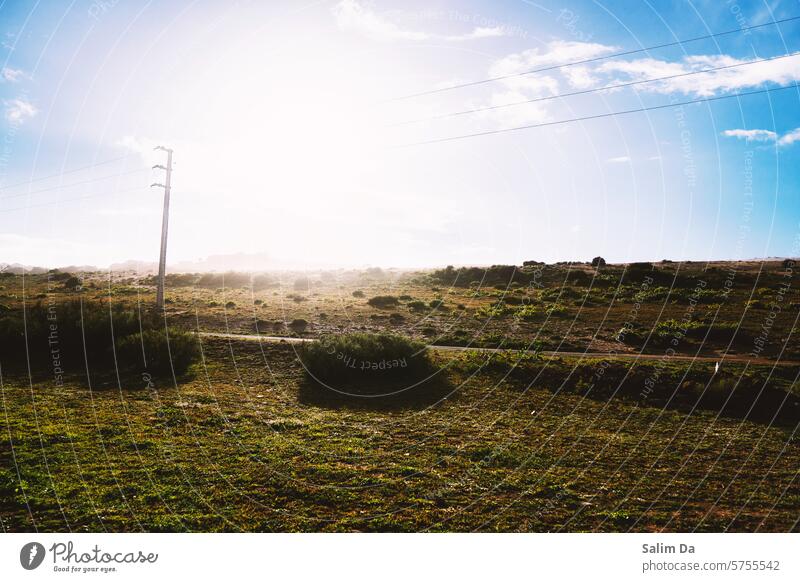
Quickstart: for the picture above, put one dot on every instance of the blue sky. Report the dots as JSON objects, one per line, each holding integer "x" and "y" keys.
{"x": 286, "y": 147}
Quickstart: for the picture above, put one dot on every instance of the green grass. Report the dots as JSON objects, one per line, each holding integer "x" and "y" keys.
{"x": 235, "y": 449}
{"x": 513, "y": 441}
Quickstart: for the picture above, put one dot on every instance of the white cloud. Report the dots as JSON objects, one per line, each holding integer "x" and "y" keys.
{"x": 516, "y": 88}
{"x": 480, "y": 32}
{"x": 786, "y": 139}
{"x": 355, "y": 16}
{"x": 619, "y": 160}
{"x": 580, "y": 77}
{"x": 789, "y": 138}
{"x": 528, "y": 113}
{"x": 780, "y": 71}
{"x": 556, "y": 52}
{"x": 751, "y": 134}
{"x": 18, "y": 110}
{"x": 11, "y": 75}
{"x": 351, "y": 15}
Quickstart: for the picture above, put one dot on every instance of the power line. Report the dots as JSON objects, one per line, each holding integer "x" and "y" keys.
{"x": 588, "y": 91}
{"x": 59, "y": 202}
{"x": 81, "y": 183}
{"x": 72, "y": 171}
{"x": 591, "y": 60}
{"x": 597, "y": 116}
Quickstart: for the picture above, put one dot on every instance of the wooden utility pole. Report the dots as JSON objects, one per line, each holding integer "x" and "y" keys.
{"x": 162, "y": 259}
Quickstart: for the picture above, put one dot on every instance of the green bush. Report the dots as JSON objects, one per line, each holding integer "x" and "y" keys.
{"x": 528, "y": 312}
{"x": 383, "y": 301}
{"x": 417, "y": 305}
{"x": 229, "y": 280}
{"x": 360, "y": 358}
{"x": 298, "y": 325}
{"x": 695, "y": 329}
{"x": 154, "y": 351}
{"x": 63, "y": 338}
{"x": 598, "y": 262}
{"x": 72, "y": 283}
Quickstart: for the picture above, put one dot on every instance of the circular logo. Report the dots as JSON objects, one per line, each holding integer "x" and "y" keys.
{"x": 31, "y": 555}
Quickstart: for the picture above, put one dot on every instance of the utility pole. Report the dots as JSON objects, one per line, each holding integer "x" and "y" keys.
{"x": 162, "y": 259}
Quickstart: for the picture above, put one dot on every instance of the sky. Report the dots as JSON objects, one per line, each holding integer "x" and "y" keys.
{"x": 300, "y": 136}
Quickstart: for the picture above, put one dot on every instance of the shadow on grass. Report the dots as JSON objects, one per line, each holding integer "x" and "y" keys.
{"x": 101, "y": 377}
{"x": 761, "y": 395}
{"x": 379, "y": 395}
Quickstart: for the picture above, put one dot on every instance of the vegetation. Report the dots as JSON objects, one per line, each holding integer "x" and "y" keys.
{"x": 159, "y": 352}
{"x": 61, "y": 338}
{"x": 383, "y": 301}
{"x": 640, "y": 432}
{"x": 366, "y": 358}
{"x": 526, "y": 452}
{"x": 72, "y": 283}
{"x": 298, "y": 325}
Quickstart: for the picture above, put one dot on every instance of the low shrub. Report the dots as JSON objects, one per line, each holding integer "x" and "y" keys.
{"x": 72, "y": 283}
{"x": 63, "y": 338}
{"x": 598, "y": 262}
{"x": 495, "y": 310}
{"x": 157, "y": 352}
{"x": 528, "y": 312}
{"x": 556, "y": 310}
{"x": 417, "y": 305}
{"x": 298, "y": 325}
{"x": 230, "y": 280}
{"x": 360, "y": 358}
{"x": 383, "y": 301}
{"x": 358, "y": 293}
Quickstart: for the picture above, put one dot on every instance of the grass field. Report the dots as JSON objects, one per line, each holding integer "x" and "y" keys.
{"x": 505, "y": 441}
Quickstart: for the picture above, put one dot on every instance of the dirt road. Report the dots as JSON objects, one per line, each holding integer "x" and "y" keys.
{"x": 730, "y": 358}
